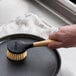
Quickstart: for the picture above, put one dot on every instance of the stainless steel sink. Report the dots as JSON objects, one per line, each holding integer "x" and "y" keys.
{"x": 64, "y": 8}
{"x": 9, "y": 9}
{"x": 53, "y": 11}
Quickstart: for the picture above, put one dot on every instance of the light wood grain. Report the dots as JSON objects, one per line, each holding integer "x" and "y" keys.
{"x": 42, "y": 43}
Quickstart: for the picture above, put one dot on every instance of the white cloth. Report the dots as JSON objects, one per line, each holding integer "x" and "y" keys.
{"x": 28, "y": 23}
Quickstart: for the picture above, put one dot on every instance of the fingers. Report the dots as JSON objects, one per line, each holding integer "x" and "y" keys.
{"x": 53, "y": 36}
{"x": 64, "y": 37}
{"x": 55, "y": 45}
{"x": 56, "y": 36}
{"x": 53, "y": 33}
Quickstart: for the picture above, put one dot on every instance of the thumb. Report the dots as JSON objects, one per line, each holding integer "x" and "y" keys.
{"x": 55, "y": 45}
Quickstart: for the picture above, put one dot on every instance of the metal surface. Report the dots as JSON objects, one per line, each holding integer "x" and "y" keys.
{"x": 62, "y": 8}
{"x": 10, "y": 9}
{"x": 40, "y": 61}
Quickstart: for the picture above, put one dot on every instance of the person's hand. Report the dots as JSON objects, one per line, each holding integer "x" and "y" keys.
{"x": 65, "y": 37}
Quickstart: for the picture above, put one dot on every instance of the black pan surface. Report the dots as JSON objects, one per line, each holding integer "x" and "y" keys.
{"x": 41, "y": 61}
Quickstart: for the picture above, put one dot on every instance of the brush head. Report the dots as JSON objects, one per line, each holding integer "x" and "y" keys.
{"x": 16, "y": 50}
{"x": 18, "y": 46}
{"x": 16, "y": 57}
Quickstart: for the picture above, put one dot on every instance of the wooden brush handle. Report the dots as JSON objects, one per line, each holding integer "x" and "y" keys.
{"x": 42, "y": 43}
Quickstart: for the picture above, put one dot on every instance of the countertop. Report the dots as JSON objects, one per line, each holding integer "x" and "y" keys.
{"x": 10, "y": 9}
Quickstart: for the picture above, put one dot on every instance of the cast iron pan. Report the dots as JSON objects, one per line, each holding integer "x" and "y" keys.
{"x": 41, "y": 61}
